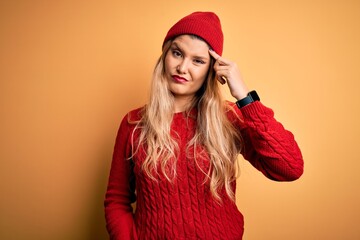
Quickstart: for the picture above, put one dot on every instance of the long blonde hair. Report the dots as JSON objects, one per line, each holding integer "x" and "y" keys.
{"x": 214, "y": 131}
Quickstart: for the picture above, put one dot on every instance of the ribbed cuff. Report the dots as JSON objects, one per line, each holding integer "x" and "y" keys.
{"x": 253, "y": 109}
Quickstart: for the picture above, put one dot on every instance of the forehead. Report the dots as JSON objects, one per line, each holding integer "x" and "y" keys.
{"x": 192, "y": 45}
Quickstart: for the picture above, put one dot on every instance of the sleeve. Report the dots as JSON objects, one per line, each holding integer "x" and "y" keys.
{"x": 121, "y": 189}
{"x": 267, "y": 145}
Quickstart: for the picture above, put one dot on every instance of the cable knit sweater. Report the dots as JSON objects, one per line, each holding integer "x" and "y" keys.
{"x": 184, "y": 208}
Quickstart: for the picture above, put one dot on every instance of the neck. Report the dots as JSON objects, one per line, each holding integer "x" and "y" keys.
{"x": 182, "y": 103}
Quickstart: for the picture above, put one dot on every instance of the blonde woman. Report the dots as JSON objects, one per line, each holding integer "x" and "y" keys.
{"x": 177, "y": 156}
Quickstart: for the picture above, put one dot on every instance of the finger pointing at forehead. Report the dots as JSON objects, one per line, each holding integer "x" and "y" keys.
{"x": 220, "y": 76}
{"x": 218, "y": 58}
{"x": 214, "y": 54}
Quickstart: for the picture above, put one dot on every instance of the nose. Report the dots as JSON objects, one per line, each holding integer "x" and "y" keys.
{"x": 182, "y": 67}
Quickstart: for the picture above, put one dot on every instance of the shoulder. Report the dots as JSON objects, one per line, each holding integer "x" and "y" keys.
{"x": 132, "y": 117}
{"x": 135, "y": 115}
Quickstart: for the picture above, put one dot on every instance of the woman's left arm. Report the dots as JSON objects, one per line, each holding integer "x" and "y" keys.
{"x": 267, "y": 145}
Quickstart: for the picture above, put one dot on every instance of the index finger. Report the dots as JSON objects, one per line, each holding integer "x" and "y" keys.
{"x": 214, "y": 54}
{"x": 218, "y": 58}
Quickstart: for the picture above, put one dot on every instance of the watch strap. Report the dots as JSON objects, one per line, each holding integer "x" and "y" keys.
{"x": 250, "y": 98}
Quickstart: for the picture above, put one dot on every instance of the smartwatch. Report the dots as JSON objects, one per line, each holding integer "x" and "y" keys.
{"x": 250, "y": 98}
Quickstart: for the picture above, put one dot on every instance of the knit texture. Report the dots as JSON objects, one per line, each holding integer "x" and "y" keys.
{"x": 203, "y": 24}
{"x": 184, "y": 208}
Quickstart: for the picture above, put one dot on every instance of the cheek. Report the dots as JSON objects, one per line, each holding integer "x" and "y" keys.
{"x": 203, "y": 73}
{"x": 167, "y": 63}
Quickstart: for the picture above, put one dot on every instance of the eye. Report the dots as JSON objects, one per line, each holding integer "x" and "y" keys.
{"x": 176, "y": 53}
{"x": 199, "y": 61}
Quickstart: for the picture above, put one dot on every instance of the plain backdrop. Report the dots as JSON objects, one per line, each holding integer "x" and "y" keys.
{"x": 70, "y": 70}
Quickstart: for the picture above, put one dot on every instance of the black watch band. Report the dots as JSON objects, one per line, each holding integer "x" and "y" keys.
{"x": 251, "y": 97}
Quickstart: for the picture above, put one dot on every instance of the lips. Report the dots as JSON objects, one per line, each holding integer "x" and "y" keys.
{"x": 179, "y": 79}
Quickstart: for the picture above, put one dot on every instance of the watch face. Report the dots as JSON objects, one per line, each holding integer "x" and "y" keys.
{"x": 254, "y": 95}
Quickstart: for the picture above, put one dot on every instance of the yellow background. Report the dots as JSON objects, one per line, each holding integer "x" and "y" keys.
{"x": 69, "y": 71}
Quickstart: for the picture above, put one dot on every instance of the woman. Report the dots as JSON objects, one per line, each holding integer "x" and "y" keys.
{"x": 177, "y": 156}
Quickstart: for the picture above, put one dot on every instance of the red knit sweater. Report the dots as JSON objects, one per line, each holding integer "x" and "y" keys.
{"x": 184, "y": 208}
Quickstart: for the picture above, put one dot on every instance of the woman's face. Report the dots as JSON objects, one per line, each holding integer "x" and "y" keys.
{"x": 186, "y": 66}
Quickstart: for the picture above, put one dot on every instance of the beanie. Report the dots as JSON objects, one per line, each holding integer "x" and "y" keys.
{"x": 206, "y": 25}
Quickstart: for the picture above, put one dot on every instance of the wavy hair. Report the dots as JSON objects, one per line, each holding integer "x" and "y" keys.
{"x": 214, "y": 132}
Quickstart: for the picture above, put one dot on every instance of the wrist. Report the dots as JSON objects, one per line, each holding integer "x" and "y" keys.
{"x": 240, "y": 92}
{"x": 241, "y": 95}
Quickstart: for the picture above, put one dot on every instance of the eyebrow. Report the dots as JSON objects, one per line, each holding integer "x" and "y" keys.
{"x": 196, "y": 56}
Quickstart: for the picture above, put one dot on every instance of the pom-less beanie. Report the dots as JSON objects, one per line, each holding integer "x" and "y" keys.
{"x": 203, "y": 24}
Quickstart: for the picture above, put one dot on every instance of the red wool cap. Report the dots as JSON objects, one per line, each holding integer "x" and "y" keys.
{"x": 203, "y": 24}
